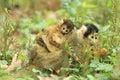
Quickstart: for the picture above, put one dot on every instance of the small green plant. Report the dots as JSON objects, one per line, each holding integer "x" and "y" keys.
{"x": 7, "y": 31}
{"x": 45, "y": 72}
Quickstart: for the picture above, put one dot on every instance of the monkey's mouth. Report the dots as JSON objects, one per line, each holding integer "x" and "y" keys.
{"x": 63, "y": 33}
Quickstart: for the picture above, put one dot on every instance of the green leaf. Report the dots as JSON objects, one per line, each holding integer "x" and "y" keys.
{"x": 85, "y": 5}
{"x": 19, "y": 79}
{"x": 105, "y": 28}
{"x": 90, "y": 77}
{"x": 104, "y": 67}
{"x": 65, "y": 69}
{"x": 73, "y": 78}
{"x": 109, "y": 3}
{"x": 44, "y": 74}
{"x": 70, "y": 69}
{"x": 74, "y": 69}
{"x": 94, "y": 63}
{"x": 50, "y": 69}
{"x": 1, "y": 53}
{"x": 9, "y": 55}
{"x": 12, "y": 27}
{"x": 16, "y": 64}
{"x": 26, "y": 22}
{"x": 4, "y": 62}
{"x": 6, "y": 10}
{"x": 21, "y": 57}
{"x": 35, "y": 70}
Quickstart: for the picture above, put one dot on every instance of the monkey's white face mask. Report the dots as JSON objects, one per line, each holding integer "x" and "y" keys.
{"x": 80, "y": 34}
{"x": 93, "y": 37}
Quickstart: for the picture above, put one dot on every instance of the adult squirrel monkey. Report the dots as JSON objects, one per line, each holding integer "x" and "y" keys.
{"x": 49, "y": 49}
{"x": 81, "y": 40}
{"x": 83, "y": 33}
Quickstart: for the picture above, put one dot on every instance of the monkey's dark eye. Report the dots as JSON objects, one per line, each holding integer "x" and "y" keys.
{"x": 95, "y": 37}
{"x": 63, "y": 28}
{"x": 67, "y": 31}
{"x": 92, "y": 36}
{"x": 91, "y": 49}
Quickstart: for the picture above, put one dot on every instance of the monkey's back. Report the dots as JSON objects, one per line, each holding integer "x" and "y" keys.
{"x": 78, "y": 47}
{"x": 55, "y": 58}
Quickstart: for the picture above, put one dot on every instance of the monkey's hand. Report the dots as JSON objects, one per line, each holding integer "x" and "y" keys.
{"x": 49, "y": 46}
{"x": 56, "y": 39}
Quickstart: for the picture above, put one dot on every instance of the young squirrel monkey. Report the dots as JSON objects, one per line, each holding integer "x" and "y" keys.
{"x": 57, "y": 34}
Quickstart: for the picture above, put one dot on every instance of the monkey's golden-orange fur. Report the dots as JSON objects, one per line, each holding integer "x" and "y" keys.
{"x": 49, "y": 49}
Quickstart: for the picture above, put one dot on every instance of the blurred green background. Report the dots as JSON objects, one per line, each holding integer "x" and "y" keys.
{"x": 21, "y": 20}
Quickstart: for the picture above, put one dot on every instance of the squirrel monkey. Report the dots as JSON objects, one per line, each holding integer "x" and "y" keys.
{"x": 81, "y": 39}
{"x": 57, "y": 33}
{"x": 48, "y": 51}
{"x": 79, "y": 43}
{"x": 85, "y": 32}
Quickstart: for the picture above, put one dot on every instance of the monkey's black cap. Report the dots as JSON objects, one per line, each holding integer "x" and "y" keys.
{"x": 91, "y": 29}
{"x": 69, "y": 23}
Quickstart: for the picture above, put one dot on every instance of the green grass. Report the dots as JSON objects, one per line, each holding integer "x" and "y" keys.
{"x": 15, "y": 34}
